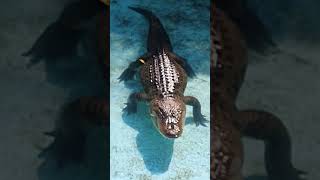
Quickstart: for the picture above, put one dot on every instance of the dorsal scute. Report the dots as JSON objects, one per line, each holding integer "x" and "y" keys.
{"x": 164, "y": 74}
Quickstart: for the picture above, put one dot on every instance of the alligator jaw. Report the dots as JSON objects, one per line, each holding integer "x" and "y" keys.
{"x": 168, "y": 117}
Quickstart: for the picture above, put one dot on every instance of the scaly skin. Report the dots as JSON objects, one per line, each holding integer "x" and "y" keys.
{"x": 164, "y": 79}
{"x": 229, "y": 62}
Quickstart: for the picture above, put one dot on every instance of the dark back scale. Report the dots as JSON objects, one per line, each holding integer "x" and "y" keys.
{"x": 162, "y": 76}
{"x": 229, "y": 61}
{"x": 232, "y": 58}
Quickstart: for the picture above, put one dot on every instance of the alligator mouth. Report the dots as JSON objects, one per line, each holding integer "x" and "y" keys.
{"x": 169, "y": 128}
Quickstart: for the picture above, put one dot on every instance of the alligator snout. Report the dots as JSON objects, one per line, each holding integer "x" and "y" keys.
{"x": 168, "y": 116}
{"x": 171, "y": 128}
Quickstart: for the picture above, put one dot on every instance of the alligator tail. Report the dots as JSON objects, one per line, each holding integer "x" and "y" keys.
{"x": 158, "y": 37}
{"x": 265, "y": 126}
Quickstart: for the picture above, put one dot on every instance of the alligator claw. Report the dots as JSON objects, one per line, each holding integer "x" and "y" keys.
{"x": 55, "y": 42}
{"x": 200, "y": 120}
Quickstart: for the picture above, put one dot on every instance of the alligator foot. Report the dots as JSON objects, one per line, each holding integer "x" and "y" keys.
{"x": 131, "y": 70}
{"x": 60, "y": 38}
{"x": 70, "y": 132}
{"x": 127, "y": 74}
{"x": 69, "y": 138}
{"x": 55, "y": 42}
{"x": 269, "y": 128}
{"x": 198, "y": 118}
{"x": 131, "y": 105}
{"x": 93, "y": 109}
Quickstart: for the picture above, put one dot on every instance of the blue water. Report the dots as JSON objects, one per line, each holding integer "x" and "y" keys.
{"x": 137, "y": 149}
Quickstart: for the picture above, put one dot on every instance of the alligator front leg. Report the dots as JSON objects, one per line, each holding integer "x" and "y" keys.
{"x": 70, "y": 131}
{"x": 60, "y": 38}
{"x": 131, "y": 105}
{"x": 93, "y": 109}
{"x": 197, "y": 115}
{"x": 131, "y": 70}
{"x": 269, "y": 128}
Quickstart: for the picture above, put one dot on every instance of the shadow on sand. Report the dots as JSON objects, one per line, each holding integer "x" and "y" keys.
{"x": 155, "y": 150}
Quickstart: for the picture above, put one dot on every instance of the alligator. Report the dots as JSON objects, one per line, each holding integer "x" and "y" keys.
{"x": 164, "y": 78}
{"x": 60, "y": 40}
{"x": 255, "y": 32}
{"x": 228, "y": 123}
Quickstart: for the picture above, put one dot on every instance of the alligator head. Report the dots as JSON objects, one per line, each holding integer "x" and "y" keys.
{"x": 168, "y": 115}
